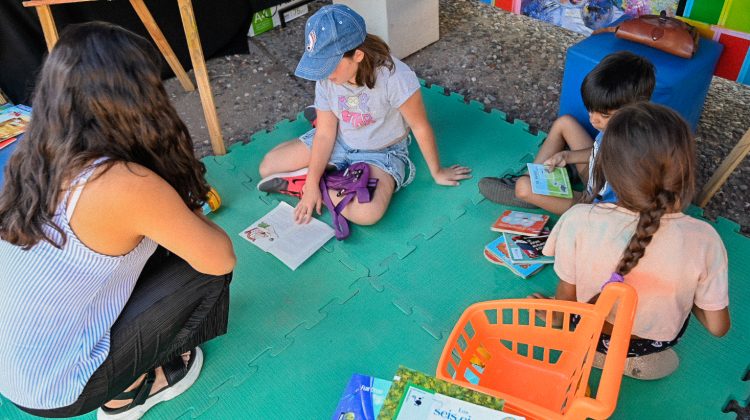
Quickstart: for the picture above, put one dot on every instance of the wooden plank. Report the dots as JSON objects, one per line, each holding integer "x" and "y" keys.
{"x": 201, "y": 75}
{"x": 161, "y": 42}
{"x": 48, "y": 26}
{"x": 719, "y": 177}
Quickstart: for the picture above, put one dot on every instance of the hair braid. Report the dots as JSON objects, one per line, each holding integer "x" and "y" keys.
{"x": 648, "y": 223}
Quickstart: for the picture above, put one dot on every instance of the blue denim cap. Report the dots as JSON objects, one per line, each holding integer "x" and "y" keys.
{"x": 329, "y": 33}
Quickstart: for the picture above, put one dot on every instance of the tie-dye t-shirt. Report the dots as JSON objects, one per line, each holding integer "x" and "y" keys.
{"x": 369, "y": 118}
{"x": 684, "y": 264}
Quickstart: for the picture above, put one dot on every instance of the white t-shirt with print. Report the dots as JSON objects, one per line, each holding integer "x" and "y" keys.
{"x": 369, "y": 119}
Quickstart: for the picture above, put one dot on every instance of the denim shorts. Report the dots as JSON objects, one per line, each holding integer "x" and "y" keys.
{"x": 393, "y": 159}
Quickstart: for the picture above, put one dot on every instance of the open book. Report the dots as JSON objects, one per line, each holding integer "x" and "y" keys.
{"x": 278, "y": 234}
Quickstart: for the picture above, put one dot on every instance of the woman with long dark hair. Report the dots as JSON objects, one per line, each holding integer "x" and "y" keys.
{"x": 110, "y": 276}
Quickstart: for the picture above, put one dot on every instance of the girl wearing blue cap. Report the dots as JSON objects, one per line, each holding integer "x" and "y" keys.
{"x": 366, "y": 100}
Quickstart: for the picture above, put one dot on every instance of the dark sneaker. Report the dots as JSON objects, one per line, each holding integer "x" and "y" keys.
{"x": 502, "y": 191}
{"x": 311, "y": 115}
{"x": 289, "y": 183}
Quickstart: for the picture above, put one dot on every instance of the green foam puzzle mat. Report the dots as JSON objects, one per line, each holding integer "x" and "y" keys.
{"x": 391, "y": 293}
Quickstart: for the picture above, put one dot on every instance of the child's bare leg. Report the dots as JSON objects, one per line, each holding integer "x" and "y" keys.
{"x": 288, "y": 156}
{"x": 369, "y": 213}
{"x": 565, "y": 131}
{"x": 551, "y": 204}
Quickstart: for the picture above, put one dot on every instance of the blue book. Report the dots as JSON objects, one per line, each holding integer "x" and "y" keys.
{"x": 362, "y": 399}
{"x": 499, "y": 248}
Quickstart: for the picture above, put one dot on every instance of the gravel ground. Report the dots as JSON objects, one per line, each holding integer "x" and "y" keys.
{"x": 506, "y": 61}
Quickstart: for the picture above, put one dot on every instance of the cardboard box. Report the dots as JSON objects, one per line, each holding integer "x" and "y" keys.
{"x": 406, "y": 26}
{"x": 267, "y": 19}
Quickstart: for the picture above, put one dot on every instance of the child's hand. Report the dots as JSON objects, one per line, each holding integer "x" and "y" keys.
{"x": 311, "y": 199}
{"x": 559, "y": 159}
{"x": 451, "y": 175}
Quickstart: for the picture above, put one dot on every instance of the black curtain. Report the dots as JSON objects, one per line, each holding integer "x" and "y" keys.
{"x": 222, "y": 24}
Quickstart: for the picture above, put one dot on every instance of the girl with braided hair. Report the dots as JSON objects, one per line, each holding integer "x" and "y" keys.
{"x": 676, "y": 263}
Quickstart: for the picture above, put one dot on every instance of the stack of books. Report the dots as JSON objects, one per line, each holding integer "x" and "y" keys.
{"x": 13, "y": 122}
{"x": 414, "y": 395}
{"x": 519, "y": 247}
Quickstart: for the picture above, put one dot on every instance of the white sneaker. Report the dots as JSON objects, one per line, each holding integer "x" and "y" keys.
{"x": 178, "y": 379}
{"x": 649, "y": 367}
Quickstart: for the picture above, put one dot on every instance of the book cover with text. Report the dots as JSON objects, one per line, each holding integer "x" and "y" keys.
{"x": 520, "y": 222}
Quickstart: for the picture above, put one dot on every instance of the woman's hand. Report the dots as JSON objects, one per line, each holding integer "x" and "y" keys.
{"x": 451, "y": 175}
{"x": 311, "y": 199}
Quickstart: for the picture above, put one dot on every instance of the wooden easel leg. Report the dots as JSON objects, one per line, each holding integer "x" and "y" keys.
{"x": 161, "y": 42}
{"x": 201, "y": 75}
{"x": 734, "y": 158}
{"x": 48, "y": 25}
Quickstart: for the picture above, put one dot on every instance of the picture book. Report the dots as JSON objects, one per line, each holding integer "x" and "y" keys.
{"x": 500, "y": 250}
{"x": 13, "y": 121}
{"x": 362, "y": 399}
{"x": 520, "y": 222}
{"x": 7, "y": 142}
{"x": 522, "y": 253}
{"x": 532, "y": 245}
{"x": 554, "y": 183}
{"x": 492, "y": 258}
{"x": 277, "y": 233}
{"x": 417, "y": 396}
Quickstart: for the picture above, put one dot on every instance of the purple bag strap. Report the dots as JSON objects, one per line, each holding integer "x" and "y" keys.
{"x": 349, "y": 188}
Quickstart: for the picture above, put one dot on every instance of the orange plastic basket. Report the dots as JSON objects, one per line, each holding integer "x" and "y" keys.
{"x": 512, "y": 350}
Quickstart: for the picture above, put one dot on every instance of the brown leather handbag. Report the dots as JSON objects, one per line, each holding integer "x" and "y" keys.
{"x": 661, "y": 32}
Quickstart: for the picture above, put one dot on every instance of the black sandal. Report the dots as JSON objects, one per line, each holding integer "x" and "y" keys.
{"x": 179, "y": 378}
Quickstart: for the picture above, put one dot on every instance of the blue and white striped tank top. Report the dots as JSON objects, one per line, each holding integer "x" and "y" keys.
{"x": 56, "y": 310}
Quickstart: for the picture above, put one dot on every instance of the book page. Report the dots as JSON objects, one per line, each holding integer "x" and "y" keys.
{"x": 292, "y": 243}
{"x": 301, "y": 241}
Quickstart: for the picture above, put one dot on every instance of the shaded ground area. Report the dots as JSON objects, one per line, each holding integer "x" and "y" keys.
{"x": 509, "y": 62}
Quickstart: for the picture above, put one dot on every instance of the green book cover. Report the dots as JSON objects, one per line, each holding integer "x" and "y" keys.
{"x": 401, "y": 397}
{"x": 554, "y": 183}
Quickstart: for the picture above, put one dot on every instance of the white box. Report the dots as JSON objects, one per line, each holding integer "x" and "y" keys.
{"x": 267, "y": 19}
{"x": 406, "y": 25}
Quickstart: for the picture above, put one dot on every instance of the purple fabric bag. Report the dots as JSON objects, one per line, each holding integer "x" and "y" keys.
{"x": 351, "y": 182}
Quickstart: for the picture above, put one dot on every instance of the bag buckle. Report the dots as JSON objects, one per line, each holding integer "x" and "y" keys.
{"x": 663, "y": 17}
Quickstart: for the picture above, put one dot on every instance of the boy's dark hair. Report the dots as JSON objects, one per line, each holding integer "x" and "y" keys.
{"x": 620, "y": 79}
{"x": 377, "y": 53}
{"x": 99, "y": 94}
{"x": 648, "y": 157}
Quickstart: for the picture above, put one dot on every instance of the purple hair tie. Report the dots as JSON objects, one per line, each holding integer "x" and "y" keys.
{"x": 614, "y": 278}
